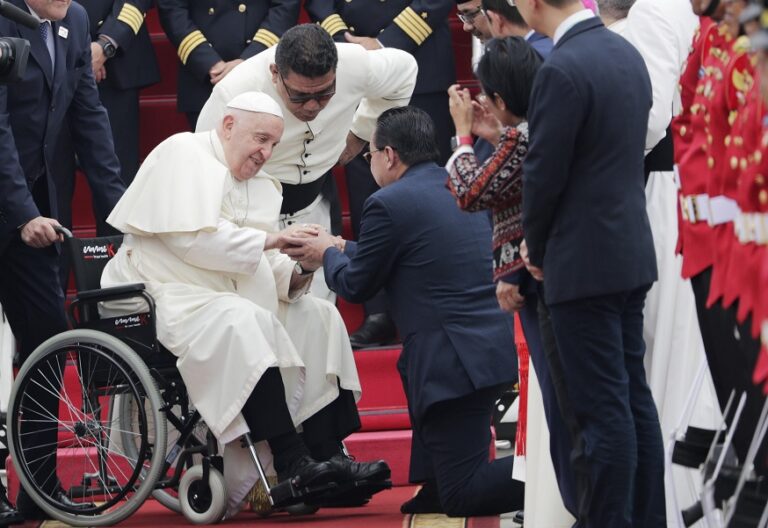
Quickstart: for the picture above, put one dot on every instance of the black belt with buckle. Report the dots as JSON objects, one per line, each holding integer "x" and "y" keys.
{"x": 297, "y": 197}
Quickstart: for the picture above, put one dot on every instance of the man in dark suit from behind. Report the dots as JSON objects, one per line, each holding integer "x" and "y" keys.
{"x": 504, "y": 20}
{"x": 589, "y": 239}
{"x": 58, "y": 78}
{"x": 434, "y": 262}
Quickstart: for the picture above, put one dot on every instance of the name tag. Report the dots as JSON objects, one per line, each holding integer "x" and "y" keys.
{"x": 63, "y": 32}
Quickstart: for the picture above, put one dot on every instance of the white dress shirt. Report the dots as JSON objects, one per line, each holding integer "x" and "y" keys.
{"x": 568, "y": 23}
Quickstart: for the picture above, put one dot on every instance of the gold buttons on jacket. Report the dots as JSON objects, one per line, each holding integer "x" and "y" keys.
{"x": 758, "y": 156}
{"x": 763, "y": 197}
{"x": 760, "y": 180}
{"x": 241, "y": 8}
{"x": 710, "y": 162}
{"x": 211, "y": 10}
{"x": 734, "y": 162}
{"x": 683, "y": 131}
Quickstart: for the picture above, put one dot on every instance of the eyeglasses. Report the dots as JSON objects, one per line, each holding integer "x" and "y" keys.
{"x": 469, "y": 18}
{"x": 368, "y": 155}
{"x": 303, "y": 98}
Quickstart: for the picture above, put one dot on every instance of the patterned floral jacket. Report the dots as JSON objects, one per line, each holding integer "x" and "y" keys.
{"x": 497, "y": 185}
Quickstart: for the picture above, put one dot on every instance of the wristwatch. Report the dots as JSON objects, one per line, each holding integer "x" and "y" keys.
{"x": 301, "y": 271}
{"x": 106, "y": 45}
{"x": 457, "y": 141}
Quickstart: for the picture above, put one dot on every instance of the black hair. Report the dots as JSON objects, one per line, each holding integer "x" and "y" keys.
{"x": 507, "y": 11}
{"x": 410, "y": 132}
{"x": 508, "y": 68}
{"x": 306, "y": 49}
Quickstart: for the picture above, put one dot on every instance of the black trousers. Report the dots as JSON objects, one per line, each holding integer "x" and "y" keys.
{"x": 618, "y": 453}
{"x": 731, "y": 355}
{"x": 539, "y": 338}
{"x": 451, "y": 445}
{"x": 267, "y": 416}
{"x": 33, "y": 302}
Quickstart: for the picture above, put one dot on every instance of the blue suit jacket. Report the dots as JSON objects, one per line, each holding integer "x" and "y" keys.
{"x": 541, "y": 43}
{"x": 584, "y": 214}
{"x": 434, "y": 262}
{"x": 31, "y": 115}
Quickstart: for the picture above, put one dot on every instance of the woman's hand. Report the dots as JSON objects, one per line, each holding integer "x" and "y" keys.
{"x": 484, "y": 123}
{"x": 460, "y": 106}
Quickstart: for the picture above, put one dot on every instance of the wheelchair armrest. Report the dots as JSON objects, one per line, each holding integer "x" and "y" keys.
{"x": 112, "y": 293}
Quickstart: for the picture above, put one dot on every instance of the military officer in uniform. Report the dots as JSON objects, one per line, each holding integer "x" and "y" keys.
{"x": 123, "y": 61}
{"x": 419, "y": 27}
{"x": 213, "y": 36}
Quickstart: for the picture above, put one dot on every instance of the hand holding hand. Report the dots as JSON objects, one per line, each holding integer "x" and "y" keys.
{"x": 354, "y": 147}
{"x": 39, "y": 232}
{"x": 281, "y": 239}
{"x": 368, "y": 43}
{"x": 222, "y": 69}
{"x": 309, "y": 250}
{"x": 460, "y": 106}
{"x": 509, "y": 297}
{"x": 536, "y": 273}
{"x": 98, "y": 59}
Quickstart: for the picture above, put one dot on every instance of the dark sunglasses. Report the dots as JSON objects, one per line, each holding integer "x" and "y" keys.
{"x": 302, "y": 98}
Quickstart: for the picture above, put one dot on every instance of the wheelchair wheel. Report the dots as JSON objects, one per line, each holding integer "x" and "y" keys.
{"x": 62, "y": 423}
{"x": 129, "y": 420}
{"x": 203, "y": 502}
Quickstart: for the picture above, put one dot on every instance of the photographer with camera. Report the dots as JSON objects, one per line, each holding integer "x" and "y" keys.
{"x": 58, "y": 78}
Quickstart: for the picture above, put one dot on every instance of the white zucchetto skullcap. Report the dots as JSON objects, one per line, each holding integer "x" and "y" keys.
{"x": 256, "y": 102}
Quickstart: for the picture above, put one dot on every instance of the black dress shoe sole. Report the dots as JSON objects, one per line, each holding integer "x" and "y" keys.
{"x": 9, "y": 518}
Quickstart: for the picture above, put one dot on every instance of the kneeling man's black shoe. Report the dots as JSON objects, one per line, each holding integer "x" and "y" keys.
{"x": 32, "y": 512}
{"x": 425, "y": 501}
{"x": 305, "y": 471}
{"x": 349, "y": 469}
{"x": 8, "y": 514}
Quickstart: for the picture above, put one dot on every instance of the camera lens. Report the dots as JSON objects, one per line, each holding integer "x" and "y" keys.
{"x": 6, "y": 57}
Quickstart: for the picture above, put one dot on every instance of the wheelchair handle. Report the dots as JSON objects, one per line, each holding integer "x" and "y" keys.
{"x": 63, "y": 231}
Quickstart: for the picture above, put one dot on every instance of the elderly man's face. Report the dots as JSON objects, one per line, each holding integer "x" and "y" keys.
{"x": 304, "y": 97}
{"x": 474, "y": 20}
{"x": 50, "y": 9}
{"x": 248, "y": 139}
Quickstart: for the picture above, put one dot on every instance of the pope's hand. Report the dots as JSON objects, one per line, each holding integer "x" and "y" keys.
{"x": 309, "y": 250}
{"x": 281, "y": 239}
{"x": 39, "y": 232}
{"x": 354, "y": 147}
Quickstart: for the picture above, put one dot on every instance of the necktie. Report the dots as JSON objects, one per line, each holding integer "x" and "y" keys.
{"x": 47, "y": 40}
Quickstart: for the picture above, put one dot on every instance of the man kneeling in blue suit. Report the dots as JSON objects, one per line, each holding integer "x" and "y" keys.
{"x": 434, "y": 263}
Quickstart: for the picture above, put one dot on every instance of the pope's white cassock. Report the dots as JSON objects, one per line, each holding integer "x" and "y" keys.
{"x": 367, "y": 84}
{"x": 195, "y": 237}
{"x": 663, "y": 31}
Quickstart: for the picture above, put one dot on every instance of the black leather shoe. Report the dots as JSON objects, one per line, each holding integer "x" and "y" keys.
{"x": 376, "y": 330}
{"x": 32, "y": 512}
{"x": 305, "y": 471}
{"x": 519, "y": 517}
{"x": 425, "y": 501}
{"x": 349, "y": 469}
{"x": 8, "y": 514}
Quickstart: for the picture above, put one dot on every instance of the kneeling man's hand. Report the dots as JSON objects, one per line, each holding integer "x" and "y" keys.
{"x": 281, "y": 239}
{"x": 308, "y": 250}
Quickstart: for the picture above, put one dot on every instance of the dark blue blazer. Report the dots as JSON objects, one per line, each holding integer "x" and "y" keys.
{"x": 584, "y": 214}
{"x": 541, "y": 43}
{"x": 434, "y": 262}
{"x": 31, "y": 115}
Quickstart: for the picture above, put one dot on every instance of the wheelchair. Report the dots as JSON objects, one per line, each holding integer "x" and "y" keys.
{"x": 117, "y": 391}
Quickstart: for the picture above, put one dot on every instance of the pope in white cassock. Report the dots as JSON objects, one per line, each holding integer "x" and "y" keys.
{"x": 330, "y": 95}
{"x": 200, "y": 224}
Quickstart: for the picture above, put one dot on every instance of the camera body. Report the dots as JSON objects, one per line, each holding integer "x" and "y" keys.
{"x": 14, "y": 53}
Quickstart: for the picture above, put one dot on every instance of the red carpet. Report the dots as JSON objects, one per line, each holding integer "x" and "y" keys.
{"x": 382, "y": 512}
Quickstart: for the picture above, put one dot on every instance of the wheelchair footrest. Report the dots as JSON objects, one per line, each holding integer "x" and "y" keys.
{"x": 286, "y": 493}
